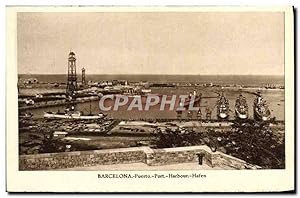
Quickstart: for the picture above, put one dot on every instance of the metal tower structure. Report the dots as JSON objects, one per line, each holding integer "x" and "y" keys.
{"x": 72, "y": 78}
{"x": 83, "y": 76}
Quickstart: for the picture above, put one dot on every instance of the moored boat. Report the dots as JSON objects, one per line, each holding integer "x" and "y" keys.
{"x": 73, "y": 115}
{"x": 222, "y": 107}
{"x": 241, "y": 107}
{"x": 261, "y": 110}
{"x": 25, "y": 115}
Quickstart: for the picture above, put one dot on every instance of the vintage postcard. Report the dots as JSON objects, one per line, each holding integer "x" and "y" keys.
{"x": 150, "y": 99}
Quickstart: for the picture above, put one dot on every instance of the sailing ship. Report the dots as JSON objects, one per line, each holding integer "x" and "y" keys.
{"x": 241, "y": 107}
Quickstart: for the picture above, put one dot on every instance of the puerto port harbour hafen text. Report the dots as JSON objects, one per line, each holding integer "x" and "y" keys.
{"x": 160, "y": 176}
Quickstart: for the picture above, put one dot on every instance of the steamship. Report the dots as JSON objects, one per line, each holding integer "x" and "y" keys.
{"x": 241, "y": 107}
{"x": 222, "y": 107}
{"x": 260, "y": 109}
{"x": 73, "y": 115}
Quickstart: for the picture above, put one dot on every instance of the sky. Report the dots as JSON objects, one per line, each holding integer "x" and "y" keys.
{"x": 205, "y": 43}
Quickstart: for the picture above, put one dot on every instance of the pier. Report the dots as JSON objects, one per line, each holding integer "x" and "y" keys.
{"x": 58, "y": 103}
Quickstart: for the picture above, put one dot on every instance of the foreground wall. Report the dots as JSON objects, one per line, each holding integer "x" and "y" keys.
{"x": 151, "y": 157}
{"x": 81, "y": 159}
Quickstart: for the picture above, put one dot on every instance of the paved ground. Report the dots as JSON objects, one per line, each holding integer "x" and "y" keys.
{"x": 142, "y": 167}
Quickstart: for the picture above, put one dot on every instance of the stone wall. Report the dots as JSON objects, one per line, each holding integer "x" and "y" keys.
{"x": 178, "y": 155}
{"x": 223, "y": 161}
{"x": 81, "y": 158}
{"x": 152, "y": 157}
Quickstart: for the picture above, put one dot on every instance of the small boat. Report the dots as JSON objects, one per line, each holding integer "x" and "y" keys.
{"x": 199, "y": 114}
{"x": 145, "y": 91}
{"x": 29, "y": 101}
{"x": 190, "y": 114}
{"x": 208, "y": 113}
{"x": 241, "y": 107}
{"x": 73, "y": 115}
{"x": 222, "y": 107}
{"x": 260, "y": 109}
{"x": 25, "y": 115}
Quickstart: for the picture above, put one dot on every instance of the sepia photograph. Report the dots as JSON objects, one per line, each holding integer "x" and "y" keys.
{"x": 152, "y": 93}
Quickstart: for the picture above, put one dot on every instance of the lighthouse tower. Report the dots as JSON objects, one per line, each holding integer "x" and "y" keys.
{"x": 72, "y": 78}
